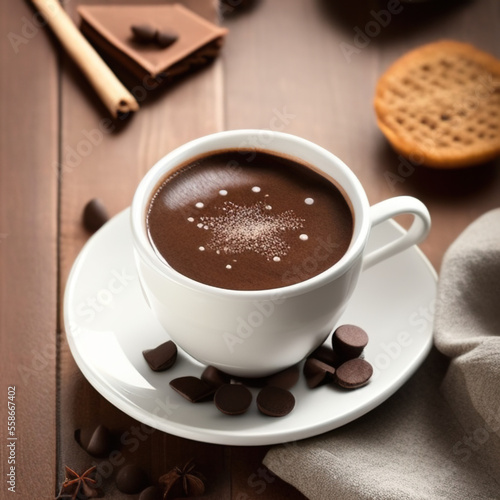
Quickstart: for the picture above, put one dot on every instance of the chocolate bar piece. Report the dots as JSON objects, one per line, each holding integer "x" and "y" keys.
{"x": 109, "y": 29}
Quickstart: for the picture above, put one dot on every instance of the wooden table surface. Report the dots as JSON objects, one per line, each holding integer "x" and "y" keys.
{"x": 282, "y": 68}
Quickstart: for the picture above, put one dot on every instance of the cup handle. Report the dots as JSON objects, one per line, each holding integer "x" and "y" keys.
{"x": 390, "y": 208}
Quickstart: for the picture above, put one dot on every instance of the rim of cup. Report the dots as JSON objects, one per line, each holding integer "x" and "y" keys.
{"x": 272, "y": 141}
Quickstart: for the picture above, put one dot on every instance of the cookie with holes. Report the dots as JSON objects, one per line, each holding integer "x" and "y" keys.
{"x": 439, "y": 105}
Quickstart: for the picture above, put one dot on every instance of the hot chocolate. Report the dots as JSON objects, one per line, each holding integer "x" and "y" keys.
{"x": 247, "y": 220}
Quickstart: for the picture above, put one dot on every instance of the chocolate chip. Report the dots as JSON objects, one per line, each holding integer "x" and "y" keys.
{"x": 317, "y": 373}
{"x": 326, "y": 355}
{"x": 214, "y": 377}
{"x": 166, "y": 38}
{"x": 151, "y": 493}
{"x": 285, "y": 379}
{"x": 192, "y": 388}
{"x": 251, "y": 381}
{"x": 349, "y": 341}
{"x": 131, "y": 479}
{"x": 144, "y": 33}
{"x": 161, "y": 358}
{"x": 96, "y": 441}
{"x": 275, "y": 401}
{"x": 95, "y": 215}
{"x": 353, "y": 373}
{"x": 233, "y": 399}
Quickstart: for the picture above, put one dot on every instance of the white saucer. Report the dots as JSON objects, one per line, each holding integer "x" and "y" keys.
{"x": 108, "y": 325}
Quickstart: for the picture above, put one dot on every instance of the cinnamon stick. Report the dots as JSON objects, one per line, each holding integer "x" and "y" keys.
{"x": 111, "y": 91}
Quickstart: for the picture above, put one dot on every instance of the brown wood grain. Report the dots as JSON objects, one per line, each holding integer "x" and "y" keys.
{"x": 282, "y": 68}
{"x": 455, "y": 198}
{"x": 121, "y": 154}
{"x": 28, "y": 249}
{"x": 306, "y": 63}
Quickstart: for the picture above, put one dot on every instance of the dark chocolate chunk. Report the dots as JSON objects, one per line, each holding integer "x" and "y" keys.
{"x": 285, "y": 379}
{"x": 317, "y": 373}
{"x": 353, "y": 373}
{"x": 326, "y": 355}
{"x": 144, "y": 33}
{"x": 108, "y": 28}
{"x": 151, "y": 493}
{"x": 95, "y": 215}
{"x": 349, "y": 341}
{"x": 161, "y": 358}
{"x": 214, "y": 377}
{"x": 96, "y": 441}
{"x": 235, "y": 4}
{"x": 131, "y": 479}
{"x": 192, "y": 388}
{"x": 275, "y": 401}
{"x": 233, "y": 399}
{"x": 166, "y": 38}
{"x": 251, "y": 381}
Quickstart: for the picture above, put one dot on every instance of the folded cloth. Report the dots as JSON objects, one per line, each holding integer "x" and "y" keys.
{"x": 438, "y": 437}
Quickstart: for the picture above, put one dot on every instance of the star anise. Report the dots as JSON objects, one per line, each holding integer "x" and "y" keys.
{"x": 79, "y": 486}
{"x": 182, "y": 481}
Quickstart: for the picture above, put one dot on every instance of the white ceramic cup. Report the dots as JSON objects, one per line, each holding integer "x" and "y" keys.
{"x": 259, "y": 332}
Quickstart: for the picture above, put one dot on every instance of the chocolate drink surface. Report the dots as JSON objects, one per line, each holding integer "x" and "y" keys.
{"x": 247, "y": 220}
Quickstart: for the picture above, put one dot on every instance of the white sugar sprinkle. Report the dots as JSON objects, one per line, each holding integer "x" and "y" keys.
{"x": 308, "y": 201}
{"x": 223, "y": 192}
{"x": 250, "y": 228}
{"x": 201, "y": 249}
{"x": 191, "y": 219}
{"x": 229, "y": 266}
{"x": 199, "y": 205}
{"x": 276, "y": 259}
{"x": 304, "y": 237}
{"x": 256, "y": 189}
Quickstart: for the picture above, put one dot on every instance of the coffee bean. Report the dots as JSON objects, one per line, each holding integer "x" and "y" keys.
{"x": 192, "y": 388}
{"x": 353, "y": 373}
{"x": 144, "y": 33}
{"x": 166, "y": 38}
{"x": 233, "y": 399}
{"x": 349, "y": 341}
{"x": 131, "y": 479}
{"x": 285, "y": 379}
{"x": 214, "y": 377}
{"x": 95, "y": 215}
{"x": 317, "y": 373}
{"x": 275, "y": 401}
{"x": 151, "y": 493}
{"x": 161, "y": 358}
{"x": 96, "y": 441}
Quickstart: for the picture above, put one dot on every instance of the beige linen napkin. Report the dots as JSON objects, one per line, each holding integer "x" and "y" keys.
{"x": 438, "y": 437}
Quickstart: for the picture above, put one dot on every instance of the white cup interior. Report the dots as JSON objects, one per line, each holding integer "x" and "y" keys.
{"x": 277, "y": 142}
